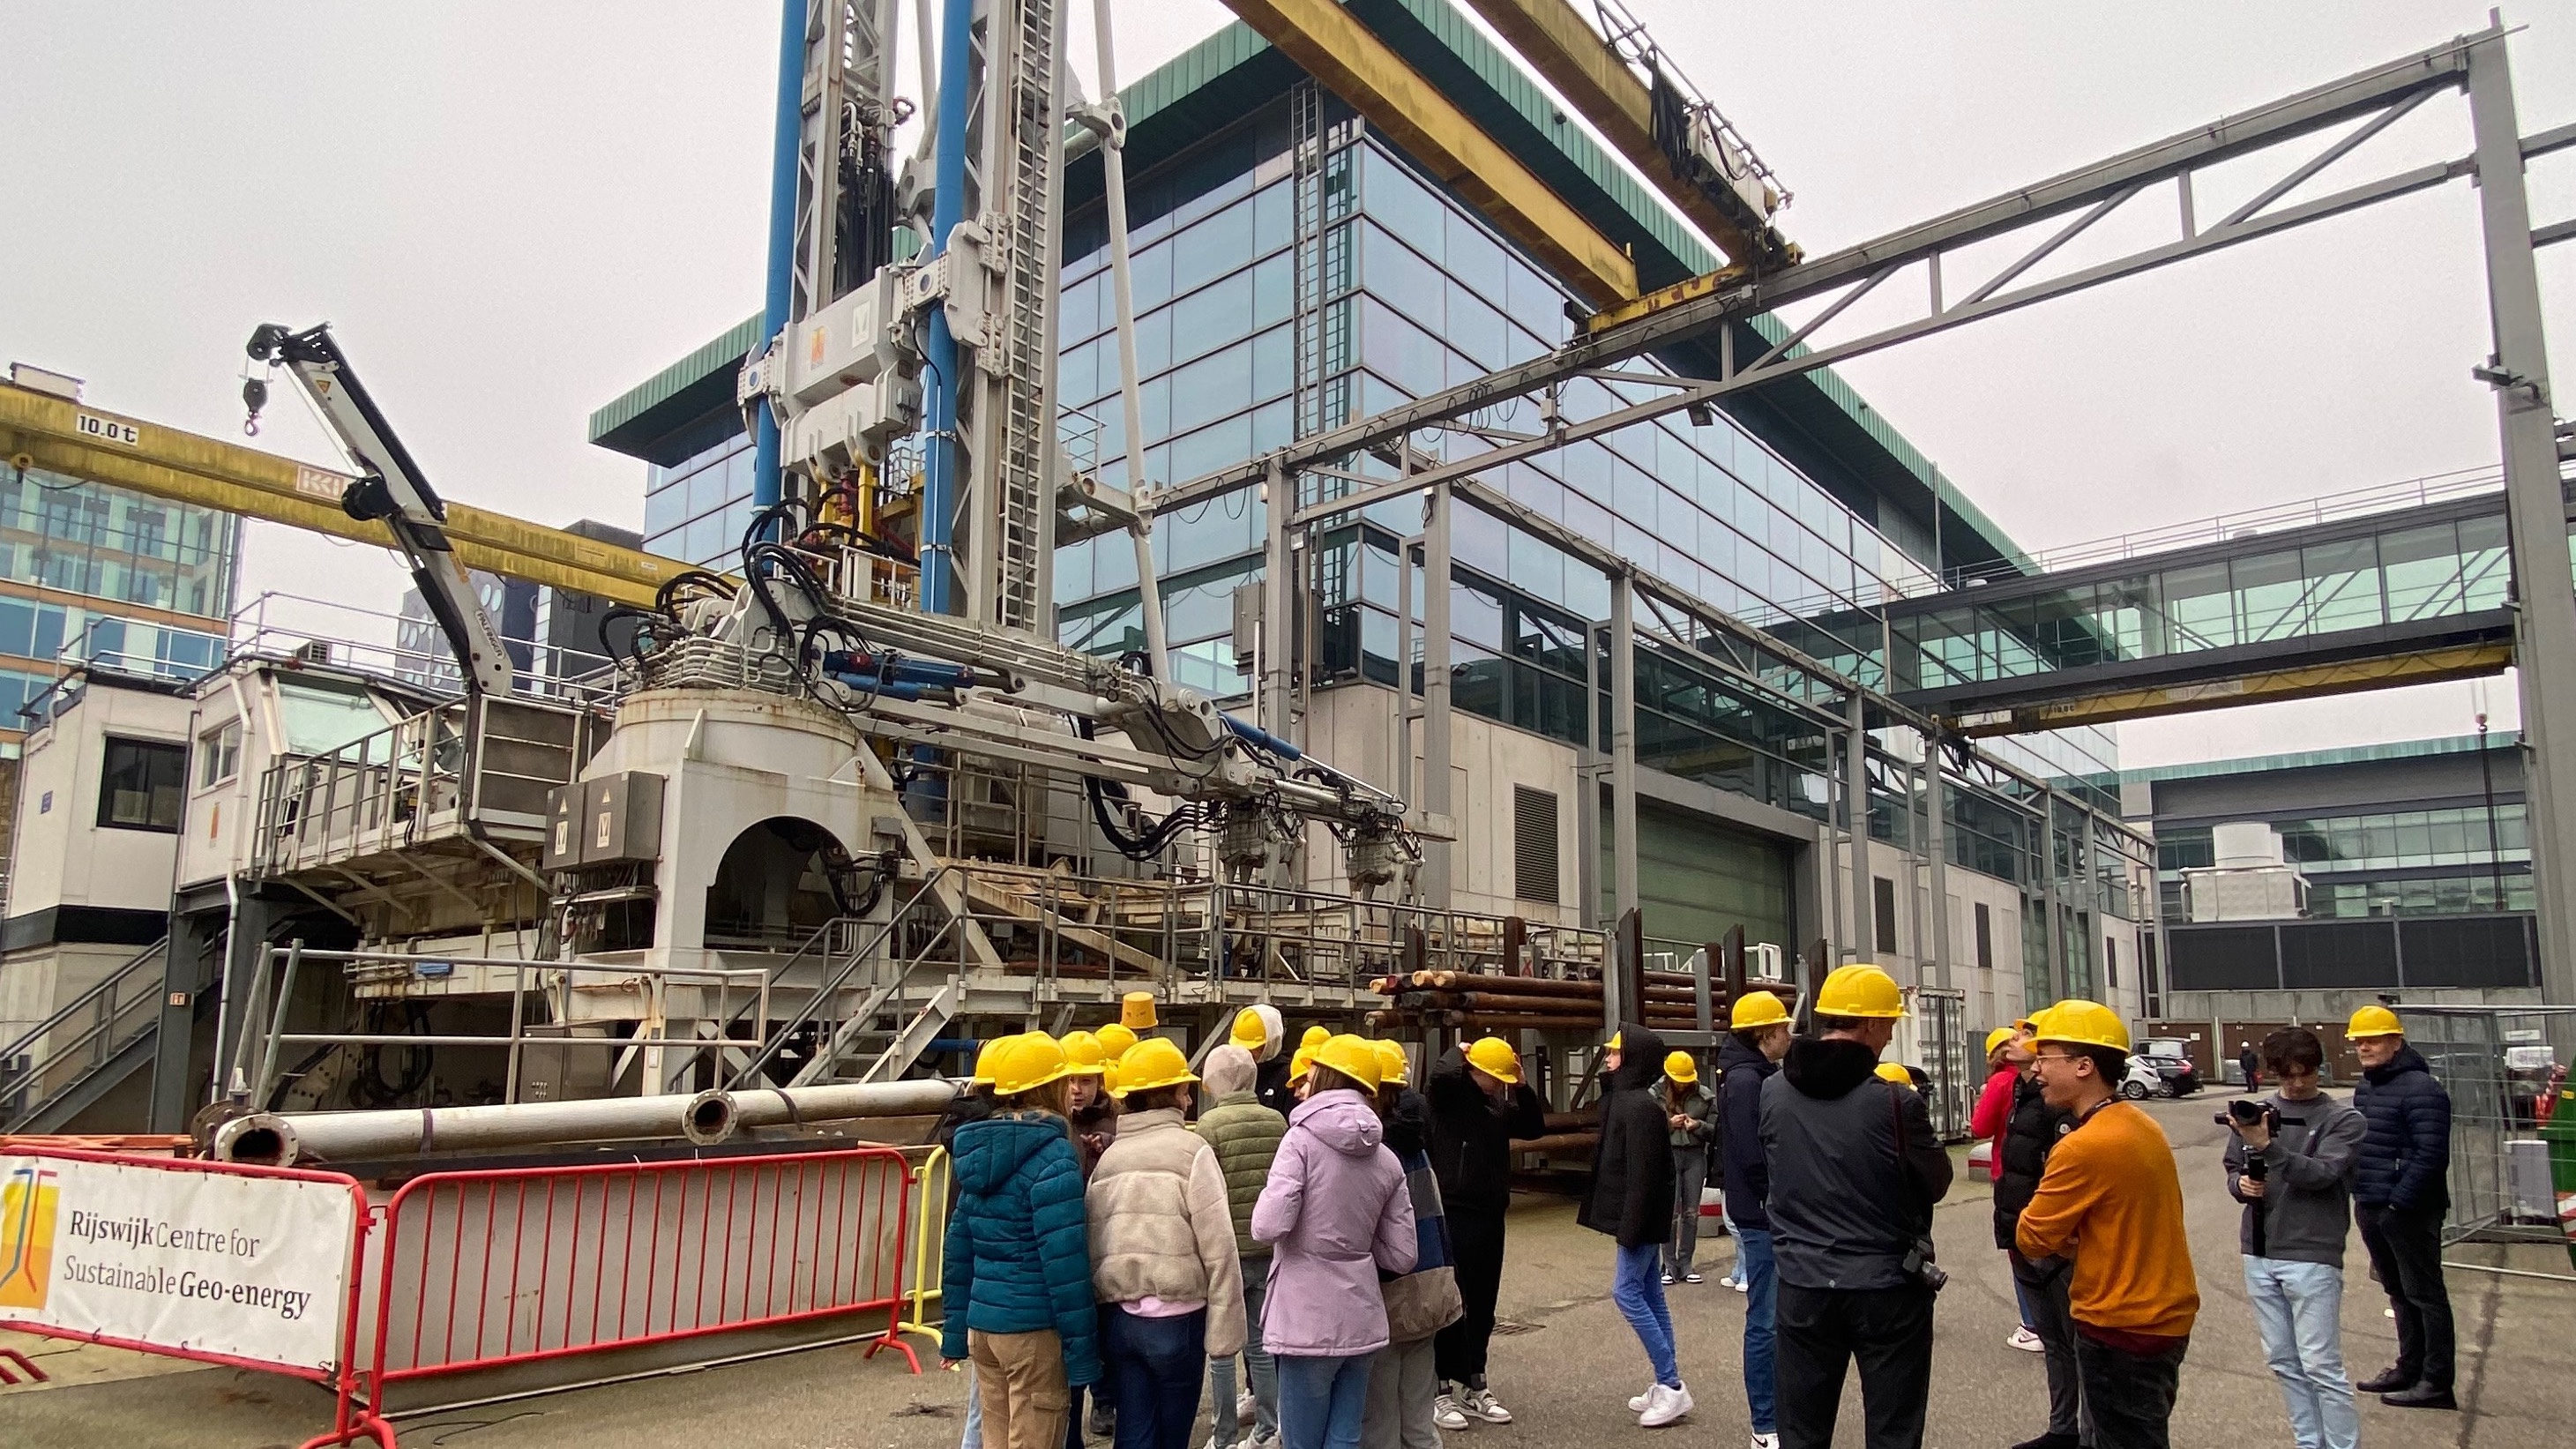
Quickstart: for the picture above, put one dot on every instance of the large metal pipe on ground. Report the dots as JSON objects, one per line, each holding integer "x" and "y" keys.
{"x": 286, "y": 1138}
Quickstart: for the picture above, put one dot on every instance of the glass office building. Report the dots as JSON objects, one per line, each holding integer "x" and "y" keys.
{"x": 1270, "y": 307}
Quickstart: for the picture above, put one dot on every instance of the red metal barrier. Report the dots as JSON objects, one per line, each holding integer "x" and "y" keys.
{"x": 350, "y": 1421}
{"x": 482, "y": 1269}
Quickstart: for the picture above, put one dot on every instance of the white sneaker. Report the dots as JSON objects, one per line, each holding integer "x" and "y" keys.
{"x": 1664, "y": 1406}
{"x": 1740, "y": 1285}
{"x": 1766, "y": 1441}
{"x": 1637, "y": 1402}
{"x": 2026, "y": 1341}
{"x": 1446, "y": 1414}
{"x": 1483, "y": 1404}
{"x": 1246, "y": 1408}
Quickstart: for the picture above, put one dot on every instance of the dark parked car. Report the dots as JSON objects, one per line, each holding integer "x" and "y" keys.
{"x": 2176, "y": 1074}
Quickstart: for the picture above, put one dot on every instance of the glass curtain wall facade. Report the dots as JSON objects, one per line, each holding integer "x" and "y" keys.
{"x": 96, "y": 573}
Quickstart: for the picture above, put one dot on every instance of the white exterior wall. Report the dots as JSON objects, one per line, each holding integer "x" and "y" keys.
{"x": 61, "y": 855}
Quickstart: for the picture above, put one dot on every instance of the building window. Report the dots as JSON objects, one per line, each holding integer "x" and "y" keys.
{"x": 1882, "y": 914}
{"x": 219, "y": 755}
{"x": 1985, "y": 938}
{"x": 2111, "y": 963}
{"x": 140, "y": 788}
{"x": 1534, "y": 873}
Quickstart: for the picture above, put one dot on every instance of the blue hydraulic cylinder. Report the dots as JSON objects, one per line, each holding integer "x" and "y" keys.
{"x": 789, "y": 135}
{"x": 939, "y": 348}
{"x": 1262, "y": 739}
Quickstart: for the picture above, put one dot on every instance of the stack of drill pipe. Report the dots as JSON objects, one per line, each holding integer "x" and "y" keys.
{"x": 1478, "y": 1001}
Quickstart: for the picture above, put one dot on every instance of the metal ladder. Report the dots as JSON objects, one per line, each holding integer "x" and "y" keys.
{"x": 1027, "y": 362}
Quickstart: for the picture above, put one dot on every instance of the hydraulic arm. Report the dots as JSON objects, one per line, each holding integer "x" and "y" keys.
{"x": 390, "y": 487}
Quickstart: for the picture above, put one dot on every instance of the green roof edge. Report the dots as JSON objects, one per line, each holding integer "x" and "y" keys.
{"x": 727, "y": 349}
{"x": 2321, "y": 759}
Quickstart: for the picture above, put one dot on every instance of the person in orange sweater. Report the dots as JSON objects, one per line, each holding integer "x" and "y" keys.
{"x": 2111, "y": 1204}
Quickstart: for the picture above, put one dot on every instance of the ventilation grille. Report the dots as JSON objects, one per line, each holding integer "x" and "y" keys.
{"x": 1534, "y": 873}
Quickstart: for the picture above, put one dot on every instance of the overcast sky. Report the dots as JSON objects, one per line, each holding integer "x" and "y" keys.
{"x": 514, "y": 212}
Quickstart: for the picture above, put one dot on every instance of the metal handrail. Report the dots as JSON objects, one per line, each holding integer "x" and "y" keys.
{"x": 99, "y": 1036}
{"x": 838, "y": 981}
{"x": 858, "y": 956}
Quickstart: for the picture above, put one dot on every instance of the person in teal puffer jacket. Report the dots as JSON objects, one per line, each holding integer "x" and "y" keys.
{"x": 1017, "y": 1278}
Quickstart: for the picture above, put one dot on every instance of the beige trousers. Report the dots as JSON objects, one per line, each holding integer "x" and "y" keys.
{"x": 1020, "y": 1377}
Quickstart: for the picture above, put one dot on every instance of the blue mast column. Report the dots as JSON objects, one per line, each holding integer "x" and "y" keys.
{"x": 948, "y": 207}
{"x": 788, "y": 136}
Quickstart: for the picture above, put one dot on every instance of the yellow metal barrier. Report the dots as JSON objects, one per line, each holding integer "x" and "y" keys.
{"x": 929, "y": 1239}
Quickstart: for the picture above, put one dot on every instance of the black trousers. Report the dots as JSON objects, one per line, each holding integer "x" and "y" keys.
{"x": 1458, "y": 1351}
{"x": 2045, "y": 1293}
{"x": 1822, "y": 1331}
{"x": 2130, "y": 1395}
{"x": 2406, "y": 1249}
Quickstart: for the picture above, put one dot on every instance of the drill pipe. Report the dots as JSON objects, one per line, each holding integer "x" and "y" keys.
{"x": 706, "y": 1118}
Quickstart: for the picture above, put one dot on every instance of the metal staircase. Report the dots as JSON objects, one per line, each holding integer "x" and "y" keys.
{"x": 89, "y": 1046}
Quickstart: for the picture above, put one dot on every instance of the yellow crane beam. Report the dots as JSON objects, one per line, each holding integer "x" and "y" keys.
{"x": 43, "y": 431}
{"x": 1348, "y": 59}
{"x": 2302, "y": 681}
{"x": 1564, "y": 48}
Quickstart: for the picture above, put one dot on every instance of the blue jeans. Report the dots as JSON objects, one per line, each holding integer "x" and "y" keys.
{"x": 974, "y": 1412}
{"x": 2298, "y": 1308}
{"x": 1158, "y": 1363}
{"x": 1322, "y": 1401}
{"x": 1222, "y": 1428}
{"x": 1761, "y": 1334}
{"x": 1639, "y": 1291}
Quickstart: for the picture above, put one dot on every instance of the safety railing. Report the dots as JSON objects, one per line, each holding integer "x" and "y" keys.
{"x": 484, "y": 763}
{"x": 484, "y": 1269}
{"x": 573, "y": 993}
{"x": 2496, "y": 1064}
{"x": 217, "y": 1262}
{"x": 924, "y": 1271}
{"x": 289, "y": 1271}
{"x": 84, "y": 1034}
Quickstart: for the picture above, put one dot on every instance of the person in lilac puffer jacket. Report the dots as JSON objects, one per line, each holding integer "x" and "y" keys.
{"x": 1335, "y": 1211}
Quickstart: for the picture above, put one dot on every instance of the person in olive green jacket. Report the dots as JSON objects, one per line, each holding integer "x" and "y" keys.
{"x": 1246, "y": 1136}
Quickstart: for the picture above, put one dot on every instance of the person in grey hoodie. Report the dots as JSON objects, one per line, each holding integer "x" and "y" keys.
{"x": 2293, "y": 1171}
{"x": 1335, "y": 1212}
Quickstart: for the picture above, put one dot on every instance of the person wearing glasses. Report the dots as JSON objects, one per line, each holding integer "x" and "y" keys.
{"x": 2291, "y": 1162}
{"x": 2110, "y": 1203}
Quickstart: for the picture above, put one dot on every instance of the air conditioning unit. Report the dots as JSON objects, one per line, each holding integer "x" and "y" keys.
{"x": 313, "y": 651}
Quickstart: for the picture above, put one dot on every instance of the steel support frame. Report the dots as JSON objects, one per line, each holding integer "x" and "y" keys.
{"x": 1660, "y": 324}
{"x": 2545, "y": 623}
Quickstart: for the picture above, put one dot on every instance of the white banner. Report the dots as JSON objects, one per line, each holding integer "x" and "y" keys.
{"x": 251, "y": 1267}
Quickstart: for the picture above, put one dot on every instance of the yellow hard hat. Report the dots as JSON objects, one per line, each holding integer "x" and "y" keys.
{"x": 1353, "y": 1056}
{"x": 1997, "y": 1038}
{"x": 1155, "y": 1062}
{"x": 1392, "y": 1064}
{"x": 1083, "y": 1054}
{"x": 1297, "y": 1064}
{"x": 1027, "y": 1062}
{"x": 1109, "y": 1079}
{"x": 1249, "y": 1033}
{"x": 1680, "y": 1068}
{"x": 1136, "y": 1011}
{"x": 1495, "y": 1058}
{"x": 1893, "y": 1072}
{"x": 2374, "y": 1020}
{"x": 1116, "y": 1039}
{"x": 1315, "y": 1036}
{"x": 1612, "y": 1044}
{"x": 1756, "y": 1008}
{"x": 1860, "y": 990}
{"x": 984, "y": 1055}
{"x": 2077, "y": 1022}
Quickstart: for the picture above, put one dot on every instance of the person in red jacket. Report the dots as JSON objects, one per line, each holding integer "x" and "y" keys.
{"x": 2007, "y": 1060}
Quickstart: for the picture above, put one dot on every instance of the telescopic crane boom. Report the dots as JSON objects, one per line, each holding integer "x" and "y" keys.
{"x": 389, "y": 486}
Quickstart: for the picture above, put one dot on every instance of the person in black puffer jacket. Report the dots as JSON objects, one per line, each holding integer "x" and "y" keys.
{"x": 1478, "y": 1105}
{"x": 1855, "y": 1171}
{"x": 2022, "y": 1155}
{"x": 2400, "y": 1191}
{"x": 1632, "y": 1201}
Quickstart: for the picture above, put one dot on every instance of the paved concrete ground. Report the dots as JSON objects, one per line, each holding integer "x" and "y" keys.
{"x": 1564, "y": 1370}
